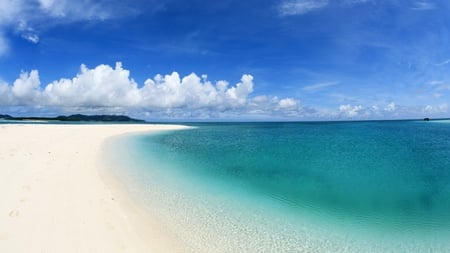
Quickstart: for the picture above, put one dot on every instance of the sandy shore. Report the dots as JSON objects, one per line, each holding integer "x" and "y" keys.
{"x": 54, "y": 197}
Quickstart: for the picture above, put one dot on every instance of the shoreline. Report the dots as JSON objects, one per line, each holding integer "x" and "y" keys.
{"x": 58, "y": 195}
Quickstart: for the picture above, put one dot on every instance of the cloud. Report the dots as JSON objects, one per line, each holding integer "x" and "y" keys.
{"x": 34, "y": 38}
{"x": 288, "y": 103}
{"x": 26, "y": 88}
{"x": 436, "y": 109}
{"x": 102, "y": 86}
{"x": 350, "y": 111}
{"x": 387, "y": 111}
{"x": 9, "y": 9}
{"x": 110, "y": 89}
{"x": 390, "y": 107}
{"x": 423, "y": 5}
{"x": 353, "y": 2}
{"x": 390, "y": 110}
{"x": 265, "y": 107}
{"x": 27, "y": 32}
{"x": 439, "y": 85}
{"x": 27, "y": 17}
{"x": 5, "y": 94}
{"x": 192, "y": 92}
{"x": 319, "y": 86}
{"x": 299, "y": 7}
{"x": 77, "y": 10}
{"x": 443, "y": 63}
{"x": 437, "y": 88}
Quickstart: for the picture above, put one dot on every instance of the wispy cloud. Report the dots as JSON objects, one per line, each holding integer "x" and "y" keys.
{"x": 299, "y": 7}
{"x": 443, "y": 63}
{"x": 423, "y": 5}
{"x": 437, "y": 88}
{"x": 343, "y": 98}
{"x": 33, "y": 38}
{"x": 353, "y": 2}
{"x": 77, "y": 10}
{"x": 27, "y": 32}
{"x": 319, "y": 86}
{"x": 24, "y": 16}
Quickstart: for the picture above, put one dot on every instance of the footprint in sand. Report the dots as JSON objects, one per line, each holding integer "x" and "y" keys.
{"x": 14, "y": 214}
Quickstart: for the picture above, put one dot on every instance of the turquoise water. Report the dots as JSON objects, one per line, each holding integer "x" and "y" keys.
{"x": 297, "y": 187}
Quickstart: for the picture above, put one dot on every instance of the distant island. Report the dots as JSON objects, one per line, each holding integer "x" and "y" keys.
{"x": 77, "y": 117}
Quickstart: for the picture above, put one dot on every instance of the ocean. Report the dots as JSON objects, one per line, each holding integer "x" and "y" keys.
{"x": 375, "y": 186}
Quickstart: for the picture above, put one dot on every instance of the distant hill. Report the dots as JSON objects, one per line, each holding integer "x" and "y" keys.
{"x": 5, "y": 116}
{"x": 77, "y": 117}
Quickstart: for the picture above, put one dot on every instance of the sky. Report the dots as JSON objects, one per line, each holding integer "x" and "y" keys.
{"x": 226, "y": 60}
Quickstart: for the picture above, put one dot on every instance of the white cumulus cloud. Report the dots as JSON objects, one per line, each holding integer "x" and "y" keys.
{"x": 288, "y": 103}
{"x": 350, "y": 111}
{"x": 109, "y": 89}
{"x": 442, "y": 108}
{"x": 26, "y": 88}
{"x": 102, "y": 86}
{"x": 5, "y": 94}
{"x": 194, "y": 92}
{"x": 390, "y": 107}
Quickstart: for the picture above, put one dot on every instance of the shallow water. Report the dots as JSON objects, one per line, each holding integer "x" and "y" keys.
{"x": 294, "y": 187}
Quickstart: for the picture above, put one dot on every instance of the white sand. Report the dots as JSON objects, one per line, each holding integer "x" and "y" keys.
{"x": 54, "y": 197}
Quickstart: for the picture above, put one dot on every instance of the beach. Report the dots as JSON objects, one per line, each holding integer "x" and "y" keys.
{"x": 57, "y": 196}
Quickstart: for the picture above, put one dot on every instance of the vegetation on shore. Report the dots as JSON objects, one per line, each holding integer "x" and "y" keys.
{"x": 77, "y": 117}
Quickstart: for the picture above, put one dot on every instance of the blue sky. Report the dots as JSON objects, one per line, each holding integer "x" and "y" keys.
{"x": 231, "y": 59}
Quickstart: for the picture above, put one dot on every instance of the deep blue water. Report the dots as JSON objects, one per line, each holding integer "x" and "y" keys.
{"x": 385, "y": 179}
